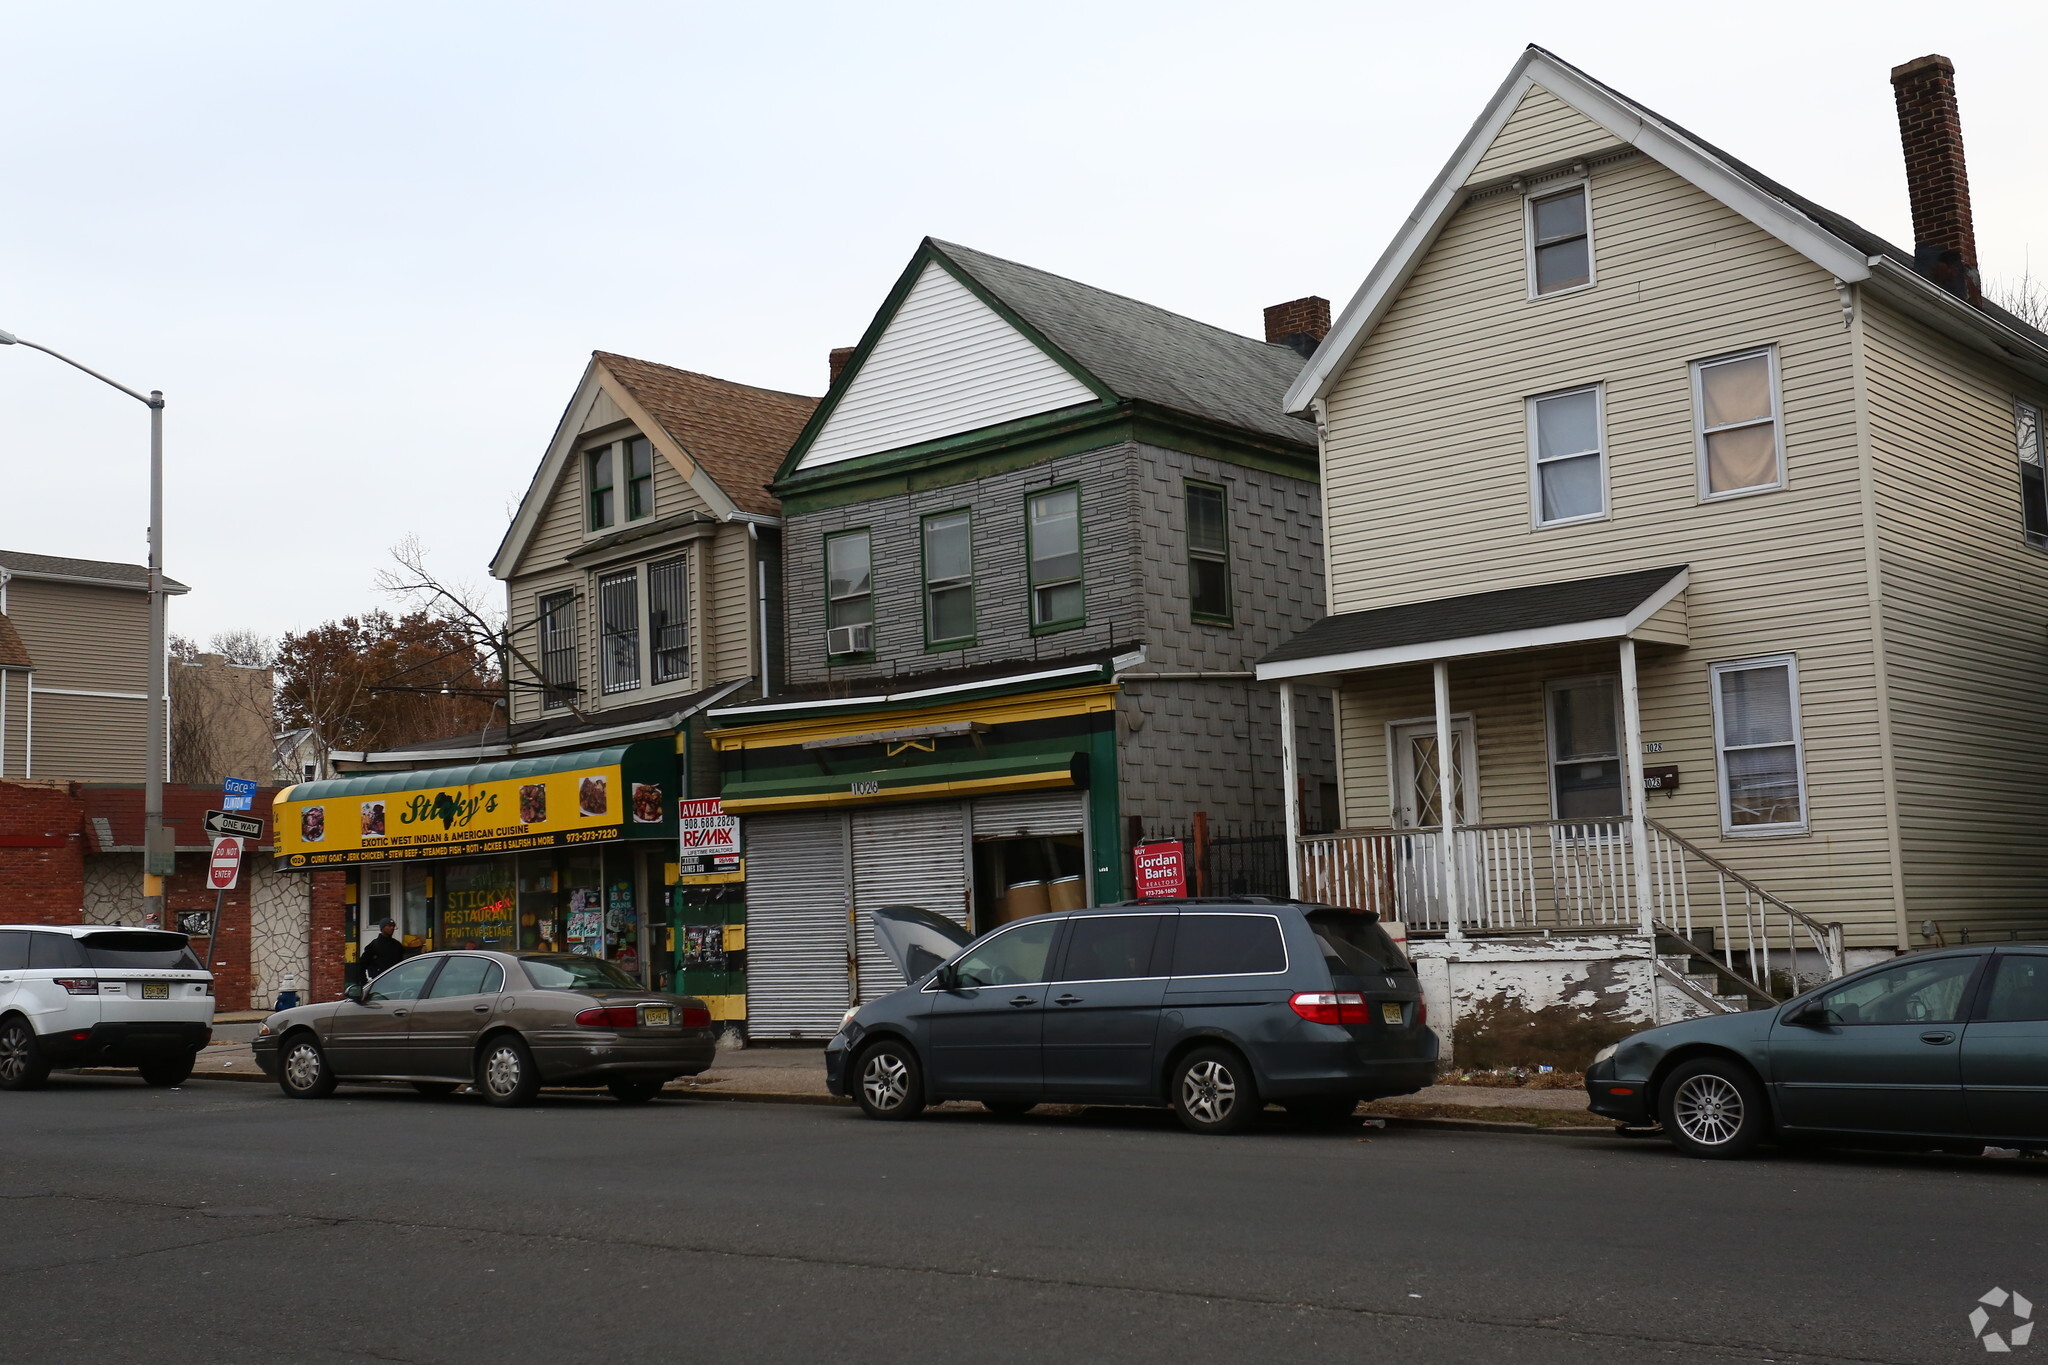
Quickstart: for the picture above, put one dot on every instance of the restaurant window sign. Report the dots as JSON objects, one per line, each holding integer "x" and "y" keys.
{"x": 592, "y": 796}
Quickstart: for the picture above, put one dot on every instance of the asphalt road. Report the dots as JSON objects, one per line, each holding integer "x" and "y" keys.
{"x": 222, "y": 1223}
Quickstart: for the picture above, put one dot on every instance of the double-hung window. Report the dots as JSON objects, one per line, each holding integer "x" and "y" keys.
{"x": 849, "y": 594}
{"x": 1568, "y": 465}
{"x": 1586, "y": 780}
{"x": 618, "y": 614}
{"x": 598, "y": 480}
{"x": 557, "y": 626}
{"x": 949, "y": 578}
{"x": 1735, "y": 403}
{"x": 1756, "y": 730}
{"x": 1560, "y": 242}
{"x": 1053, "y": 536}
{"x": 668, "y": 618}
{"x": 2033, "y": 474}
{"x": 1208, "y": 513}
{"x": 639, "y": 478}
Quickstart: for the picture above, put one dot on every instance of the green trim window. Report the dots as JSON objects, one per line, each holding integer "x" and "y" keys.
{"x": 849, "y": 594}
{"x": 1208, "y": 531}
{"x": 1053, "y": 536}
{"x": 949, "y": 577}
{"x": 598, "y": 479}
{"x": 668, "y": 618}
{"x": 639, "y": 478}
{"x": 558, "y": 649}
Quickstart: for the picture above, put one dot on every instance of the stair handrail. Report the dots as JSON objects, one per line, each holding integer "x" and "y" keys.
{"x": 1823, "y": 936}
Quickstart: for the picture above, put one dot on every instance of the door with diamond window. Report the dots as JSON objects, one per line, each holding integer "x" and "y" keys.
{"x": 1417, "y": 805}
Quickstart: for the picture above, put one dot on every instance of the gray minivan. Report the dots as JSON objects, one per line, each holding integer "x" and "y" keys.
{"x": 1213, "y": 1007}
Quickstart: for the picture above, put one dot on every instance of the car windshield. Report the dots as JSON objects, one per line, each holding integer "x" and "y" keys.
{"x": 140, "y": 948}
{"x": 571, "y": 973}
{"x": 1355, "y": 945}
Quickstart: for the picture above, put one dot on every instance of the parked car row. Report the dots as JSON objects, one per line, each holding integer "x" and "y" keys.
{"x": 1212, "y": 1009}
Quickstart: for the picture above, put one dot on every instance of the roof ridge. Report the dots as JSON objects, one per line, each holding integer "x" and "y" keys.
{"x": 699, "y": 374}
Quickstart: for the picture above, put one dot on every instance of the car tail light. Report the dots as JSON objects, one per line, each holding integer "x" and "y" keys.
{"x": 1421, "y": 1011}
{"x": 1330, "y": 1007}
{"x": 74, "y": 986}
{"x": 696, "y": 1016}
{"x": 610, "y": 1016}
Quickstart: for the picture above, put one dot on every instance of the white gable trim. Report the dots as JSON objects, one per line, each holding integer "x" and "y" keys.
{"x": 944, "y": 363}
{"x": 1630, "y": 124}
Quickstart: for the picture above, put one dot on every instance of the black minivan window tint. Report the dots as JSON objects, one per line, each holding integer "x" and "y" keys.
{"x": 1015, "y": 957}
{"x": 1355, "y": 944}
{"x": 140, "y": 948}
{"x": 2020, "y": 990}
{"x": 1110, "y": 947}
{"x": 54, "y": 950}
{"x": 13, "y": 949}
{"x": 1228, "y": 945}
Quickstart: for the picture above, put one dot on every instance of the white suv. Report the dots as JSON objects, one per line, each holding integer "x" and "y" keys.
{"x": 93, "y": 995}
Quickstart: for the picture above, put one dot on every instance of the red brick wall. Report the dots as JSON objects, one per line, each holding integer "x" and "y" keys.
{"x": 327, "y": 935}
{"x": 186, "y": 889}
{"x": 42, "y": 853}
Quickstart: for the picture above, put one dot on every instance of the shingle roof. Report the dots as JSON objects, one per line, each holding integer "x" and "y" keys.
{"x": 738, "y": 433}
{"x": 28, "y": 565}
{"x": 1144, "y": 352}
{"x": 1476, "y": 614}
{"x": 13, "y": 653}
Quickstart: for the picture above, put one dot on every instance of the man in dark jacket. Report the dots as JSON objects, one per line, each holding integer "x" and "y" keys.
{"x": 384, "y": 952}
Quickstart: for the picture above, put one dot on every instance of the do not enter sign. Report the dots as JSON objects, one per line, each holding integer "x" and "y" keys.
{"x": 226, "y": 869}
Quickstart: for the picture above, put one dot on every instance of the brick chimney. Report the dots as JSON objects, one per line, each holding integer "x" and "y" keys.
{"x": 837, "y": 360}
{"x": 1300, "y": 323}
{"x": 1931, "y": 131}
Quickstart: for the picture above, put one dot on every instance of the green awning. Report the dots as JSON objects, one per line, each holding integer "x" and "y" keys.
{"x": 918, "y": 782}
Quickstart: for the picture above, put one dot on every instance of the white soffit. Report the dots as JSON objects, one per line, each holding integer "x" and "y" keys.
{"x": 946, "y": 363}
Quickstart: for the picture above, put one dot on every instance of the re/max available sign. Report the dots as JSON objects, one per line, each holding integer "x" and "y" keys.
{"x": 1160, "y": 869}
{"x": 709, "y": 838}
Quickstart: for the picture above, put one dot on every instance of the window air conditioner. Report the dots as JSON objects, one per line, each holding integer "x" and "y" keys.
{"x": 850, "y": 639}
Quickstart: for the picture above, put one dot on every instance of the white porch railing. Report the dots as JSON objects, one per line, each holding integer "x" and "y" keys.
{"x": 1567, "y": 876}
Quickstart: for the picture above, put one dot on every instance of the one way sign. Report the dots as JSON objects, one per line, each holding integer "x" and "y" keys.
{"x": 220, "y": 822}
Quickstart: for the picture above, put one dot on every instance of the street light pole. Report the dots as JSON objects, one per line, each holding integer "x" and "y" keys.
{"x": 159, "y": 857}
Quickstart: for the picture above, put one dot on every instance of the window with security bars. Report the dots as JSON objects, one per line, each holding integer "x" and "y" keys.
{"x": 1208, "y": 531}
{"x": 2033, "y": 476}
{"x": 558, "y": 649}
{"x": 668, "y": 619}
{"x": 1756, "y": 730}
{"x": 618, "y": 615}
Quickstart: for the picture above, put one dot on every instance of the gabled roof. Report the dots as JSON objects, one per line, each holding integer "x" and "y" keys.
{"x": 58, "y": 569}
{"x": 724, "y": 438}
{"x": 1851, "y": 253}
{"x": 1122, "y": 349}
{"x": 13, "y": 653}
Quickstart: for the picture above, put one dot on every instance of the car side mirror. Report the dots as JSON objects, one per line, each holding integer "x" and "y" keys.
{"x": 946, "y": 978}
{"x": 1809, "y": 1016}
{"x": 353, "y": 991}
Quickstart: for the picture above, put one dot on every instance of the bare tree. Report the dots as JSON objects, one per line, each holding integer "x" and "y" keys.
{"x": 2026, "y": 298}
{"x": 468, "y": 611}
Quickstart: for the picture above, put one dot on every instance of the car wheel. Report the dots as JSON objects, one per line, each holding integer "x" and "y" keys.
{"x": 506, "y": 1074}
{"x": 634, "y": 1092}
{"x": 1214, "y": 1092}
{"x": 302, "y": 1070}
{"x": 435, "y": 1087}
{"x": 169, "y": 1071}
{"x": 1713, "y": 1108}
{"x": 1008, "y": 1109}
{"x": 22, "y": 1064}
{"x": 1323, "y": 1111}
{"x": 888, "y": 1082}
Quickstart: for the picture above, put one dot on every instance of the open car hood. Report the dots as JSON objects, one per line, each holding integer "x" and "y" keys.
{"x": 916, "y": 939}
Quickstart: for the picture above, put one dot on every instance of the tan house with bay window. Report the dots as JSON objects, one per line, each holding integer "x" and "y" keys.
{"x": 1643, "y": 474}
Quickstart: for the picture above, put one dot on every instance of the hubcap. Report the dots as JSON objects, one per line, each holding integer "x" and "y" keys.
{"x": 1708, "y": 1110}
{"x": 1208, "y": 1092}
{"x": 885, "y": 1080}
{"x": 302, "y": 1066}
{"x": 501, "y": 1072}
{"x": 13, "y": 1053}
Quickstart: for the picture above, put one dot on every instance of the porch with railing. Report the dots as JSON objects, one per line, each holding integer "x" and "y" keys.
{"x": 1576, "y": 877}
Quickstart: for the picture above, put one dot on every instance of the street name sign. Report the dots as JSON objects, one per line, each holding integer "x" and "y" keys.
{"x": 237, "y": 793}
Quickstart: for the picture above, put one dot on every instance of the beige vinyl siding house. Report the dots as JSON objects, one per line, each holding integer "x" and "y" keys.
{"x": 1519, "y": 407}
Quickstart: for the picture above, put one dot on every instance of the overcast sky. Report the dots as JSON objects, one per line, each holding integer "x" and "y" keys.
{"x": 365, "y": 249}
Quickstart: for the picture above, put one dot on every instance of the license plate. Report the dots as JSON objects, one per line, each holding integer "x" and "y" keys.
{"x": 657, "y": 1016}
{"x": 156, "y": 990}
{"x": 1390, "y": 1013}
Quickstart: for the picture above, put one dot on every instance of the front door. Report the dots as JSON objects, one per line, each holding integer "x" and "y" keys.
{"x": 1888, "y": 1057}
{"x": 1102, "y": 1021}
{"x": 2005, "y": 1050}
{"x": 448, "y": 1018}
{"x": 986, "y": 1032}
{"x": 1417, "y": 805}
{"x": 367, "y": 1037}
